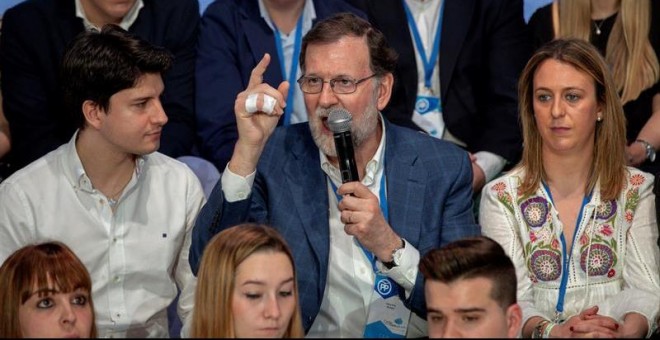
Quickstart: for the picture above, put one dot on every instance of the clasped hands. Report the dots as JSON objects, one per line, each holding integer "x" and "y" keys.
{"x": 589, "y": 324}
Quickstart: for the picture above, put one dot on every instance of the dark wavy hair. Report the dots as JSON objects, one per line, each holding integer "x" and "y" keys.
{"x": 96, "y": 65}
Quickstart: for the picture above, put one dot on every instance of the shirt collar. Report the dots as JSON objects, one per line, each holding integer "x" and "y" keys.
{"x": 308, "y": 13}
{"x": 76, "y": 172}
{"x": 126, "y": 22}
{"x": 373, "y": 168}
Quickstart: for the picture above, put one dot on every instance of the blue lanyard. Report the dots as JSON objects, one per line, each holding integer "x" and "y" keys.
{"x": 559, "y": 309}
{"x": 383, "y": 209}
{"x": 429, "y": 63}
{"x": 294, "y": 66}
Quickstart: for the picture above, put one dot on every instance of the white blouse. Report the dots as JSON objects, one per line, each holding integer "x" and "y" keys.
{"x": 613, "y": 262}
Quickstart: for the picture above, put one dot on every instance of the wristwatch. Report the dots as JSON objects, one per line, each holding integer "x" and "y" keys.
{"x": 396, "y": 256}
{"x": 650, "y": 150}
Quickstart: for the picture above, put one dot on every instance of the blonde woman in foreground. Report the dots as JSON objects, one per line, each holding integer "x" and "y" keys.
{"x": 246, "y": 287}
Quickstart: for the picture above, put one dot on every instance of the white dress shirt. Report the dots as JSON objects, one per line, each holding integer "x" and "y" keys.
{"x": 136, "y": 256}
{"x": 349, "y": 286}
{"x": 427, "y": 14}
{"x": 125, "y": 23}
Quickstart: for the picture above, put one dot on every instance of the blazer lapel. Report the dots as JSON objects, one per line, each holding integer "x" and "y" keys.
{"x": 308, "y": 186}
{"x": 260, "y": 38}
{"x": 391, "y": 20}
{"x": 405, "y": 183}
{"x": 456, "y": 21}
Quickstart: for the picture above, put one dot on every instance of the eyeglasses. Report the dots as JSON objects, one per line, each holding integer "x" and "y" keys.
{"x": 339, "y": 85}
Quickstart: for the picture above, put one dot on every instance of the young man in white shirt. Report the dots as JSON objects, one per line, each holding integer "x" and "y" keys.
{"x": 126, "y": 210}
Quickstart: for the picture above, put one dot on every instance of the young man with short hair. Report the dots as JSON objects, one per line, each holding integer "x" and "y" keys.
{"x": 470, "y": 290}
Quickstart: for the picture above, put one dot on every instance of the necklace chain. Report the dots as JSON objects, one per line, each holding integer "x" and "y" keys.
{"x": 598, "y": 26}
{"x": 114, "y": 198}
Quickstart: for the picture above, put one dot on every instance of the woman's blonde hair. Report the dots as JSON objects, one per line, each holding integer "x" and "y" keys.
{"x": 36, "y": 265}
{"x": 610, "y": 138}
{"x": 629, "y": 52}
{"x": 212, "y": 314}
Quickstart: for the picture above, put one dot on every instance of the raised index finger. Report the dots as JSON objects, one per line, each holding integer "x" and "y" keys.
{"x": 256, "y": 77}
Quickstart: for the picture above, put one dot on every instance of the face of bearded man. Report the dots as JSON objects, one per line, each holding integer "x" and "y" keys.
{"x": 363, "y": 126}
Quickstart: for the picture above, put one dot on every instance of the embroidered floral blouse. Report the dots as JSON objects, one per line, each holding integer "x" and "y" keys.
{"x": 614, "y": 260}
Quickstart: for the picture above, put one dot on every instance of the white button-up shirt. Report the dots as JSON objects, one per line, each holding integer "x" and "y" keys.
{"x": 136, "y": 256}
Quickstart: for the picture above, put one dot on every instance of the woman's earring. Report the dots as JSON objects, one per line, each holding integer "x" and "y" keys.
{"x": 599, "y": 119}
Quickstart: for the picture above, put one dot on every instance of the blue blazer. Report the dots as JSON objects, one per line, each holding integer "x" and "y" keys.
{"x": 35, "y": 34}
{"x": 484, "y": 47}
{"x": 233, "y": 39}
{"x": 429, "y": 196}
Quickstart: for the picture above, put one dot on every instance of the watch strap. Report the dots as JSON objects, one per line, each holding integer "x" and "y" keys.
{"x": 393, "y": 263}
{"x": 650, "y": 150}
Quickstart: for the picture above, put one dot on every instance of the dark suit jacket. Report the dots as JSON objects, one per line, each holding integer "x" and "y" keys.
{"x": 429, "y": 198}
{"x": 34, "y": 36}
{"x": 233, "y": 39}
{"x": 483, "y": 49}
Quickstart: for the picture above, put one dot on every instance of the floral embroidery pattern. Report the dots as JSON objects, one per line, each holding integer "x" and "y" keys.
{"x": 606, "y": 210}
{"x": 600, "y": 262}
{"x": 632, "y": 196}
{"x": 503, "y": 196}
{"x": 637, "y": 180}
{"x": 542, "y": 250}
{"x": 535, "y": 211}
{"x": 546, "y": 265}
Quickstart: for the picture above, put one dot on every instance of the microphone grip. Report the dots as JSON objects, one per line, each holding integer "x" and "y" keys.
{"x": 346, "y": 156}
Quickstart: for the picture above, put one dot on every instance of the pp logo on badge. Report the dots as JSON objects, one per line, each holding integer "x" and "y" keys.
{"x": 422, "y": 105}
{"x": 384, "y": 287}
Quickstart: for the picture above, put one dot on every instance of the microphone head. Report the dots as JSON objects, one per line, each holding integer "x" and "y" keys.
{"x": 339, "y": 120}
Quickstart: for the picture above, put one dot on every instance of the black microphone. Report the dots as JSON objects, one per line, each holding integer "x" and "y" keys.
{"x": 339, "y": 121}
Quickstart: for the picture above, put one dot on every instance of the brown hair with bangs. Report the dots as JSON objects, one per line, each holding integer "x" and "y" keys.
{"x": 33, "y": 266}
{"x": 212, "y": 314}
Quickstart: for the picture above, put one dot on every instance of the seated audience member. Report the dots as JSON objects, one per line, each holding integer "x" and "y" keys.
{"x": 470, "y": 290}
{"x": 126, "y": 210}
{"x": 413, "y": 192}
{"x": 627, "y": 34}
{"x": 456, "y": 75}
{"x": 45, "y": 292}
{"x": 234, "y": 35}
{"x": 35, "y": 34}
{"x": 246, "y": 287}
{"x": 579, "y": 225}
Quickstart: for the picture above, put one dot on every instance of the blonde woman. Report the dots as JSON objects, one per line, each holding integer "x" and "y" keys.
{"x": 579, "y": 225}
{"x": 247, "y": 286}
{"x": 627, "y": 33}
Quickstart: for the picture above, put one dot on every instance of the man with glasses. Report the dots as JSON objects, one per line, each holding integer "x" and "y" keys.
{"x": 356, "y": 245}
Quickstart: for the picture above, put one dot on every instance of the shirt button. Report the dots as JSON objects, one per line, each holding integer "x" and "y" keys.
{"x": 114, "y": 240}
{"x": 116, "y": 278}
